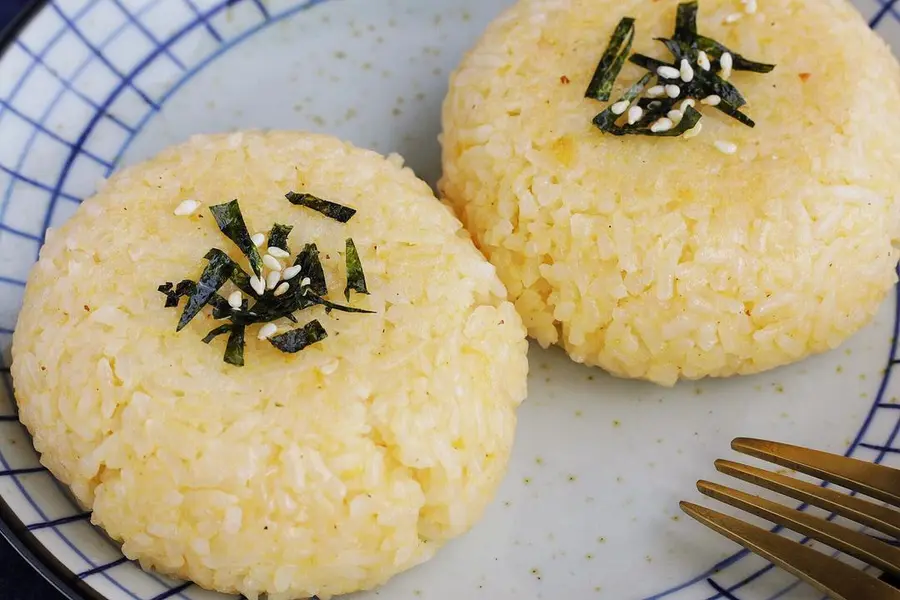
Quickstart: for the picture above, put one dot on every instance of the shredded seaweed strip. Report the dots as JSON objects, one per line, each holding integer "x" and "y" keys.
{"x": 332, "y": 306}
{"x": 311, "y": 267}
{"x": 215, "y": 275}
{"x": 686, "y": 21}
{"x": 174, "y": 294}
{"x": 303, "y": 290}
{"x": 612, "y": 61}
{"x": 716, "y": 50}
{"x": 239, "y": 277}
{"x": 332, "y": 210}
{"x": 356, "y": 278}
{"x": 217, "y": 332}
{"x": 685, "y": 45}
{"x": 606, "y": 121}
{"x": 278, "y": 237}
{"x": 234, "y": 350}
{"x": 231, "y": 222}
{"x": 299, "y": 339}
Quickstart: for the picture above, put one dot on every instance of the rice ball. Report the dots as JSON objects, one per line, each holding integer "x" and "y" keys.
{"x": 730, "y": 253}
{"x": 317, "y": 473}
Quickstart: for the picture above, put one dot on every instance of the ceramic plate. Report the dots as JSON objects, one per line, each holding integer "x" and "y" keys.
{"x": 590, "y": 507}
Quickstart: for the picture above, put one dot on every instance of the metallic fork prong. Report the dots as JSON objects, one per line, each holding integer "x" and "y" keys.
{"x": 854, "y": 543}
{"x": 876, "y": 481}
{"x": 880, "y": 518}
{"x": 829, "y": 575}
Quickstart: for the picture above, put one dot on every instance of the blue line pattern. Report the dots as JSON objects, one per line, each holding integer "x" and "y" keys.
{"x": 102, "y": 568}
{"x": 59, "y": 522}
{"x": 37, "y": 46}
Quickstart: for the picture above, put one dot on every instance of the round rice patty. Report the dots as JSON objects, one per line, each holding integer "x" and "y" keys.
{"x": 665, "y": 258}
{"x": 323, "y": 472}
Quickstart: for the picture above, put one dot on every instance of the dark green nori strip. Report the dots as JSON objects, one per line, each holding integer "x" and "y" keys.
{"x": 234, "y": 351}
{"x": 230, "y": 220}
{"x": 298, "y": 339}
{"x": 217, "y": 332}
{"x": 612, "y": 61}
{"x": 215, "y": 275}
{"x": 686, "y": 22}
{"x": 654, "y": 111}
{"x": 332, "y": 210}
{"x": 174, "y": 294}
{"x": 688, "y": 121}
{"x": 716, "y": 50}
{"x": 707, "y": 83}
{"x": 239, "y": 277}
{"x": 332, "y": 306}
{"x": 735, "y": 114}
{"x": 278, "y": 237}
{"x": 221, "y": 308}
{"x": 606, "y": 121}
{"x": 356, "y": 278}
{"x": 311, "y": 267}
{"x": 678, "y": 49}
{"x": 646, "y": 62}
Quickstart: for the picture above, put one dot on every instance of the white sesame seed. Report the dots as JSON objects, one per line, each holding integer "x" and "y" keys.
{"x": 291, "y": 272}
{"x": 267, "y": 331}
{"x": 329, "y": 368}
{"x": 258, "y": 239}
{"x": 306, "y": 282}
{"x": 278, "y": 252}
{"x": 734, "y": 17}
{"x": 675, "y": 116}
{"x": 273, "y": 279}
{"x": 750, "y": 6}
{"x": 662, "y": 125}
{"x": 727, "y": 62}
{"x": 687, "y": 71}
{"x": 186, "y": 208}
{"x": 619, "y": 107}
{"x": 693, "y": 131}
{"x": 689, "y": 102}
{"x": 656, "y": 91}
{"x": 712, "y": 100}
{"x": 673, "y": 91}
{"x": 282, "y": 289}
{"x": 703, "y": 61}
{"x": 667, "y": 72}
{"x": 236, "y": 299}
{"x": 726, "y": 147}
{"x": 272, "y": 262}
{"x": 258, "y": 285}
{"x": 634, "y": 114}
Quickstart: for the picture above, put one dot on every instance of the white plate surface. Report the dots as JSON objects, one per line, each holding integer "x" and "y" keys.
{"x": 590, "y": 507}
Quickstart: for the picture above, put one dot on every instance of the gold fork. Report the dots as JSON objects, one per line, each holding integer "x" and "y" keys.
{"x": 833, "y": 577}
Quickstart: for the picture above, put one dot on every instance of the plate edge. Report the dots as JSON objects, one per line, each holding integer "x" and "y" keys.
{"x": 11, "y": 527}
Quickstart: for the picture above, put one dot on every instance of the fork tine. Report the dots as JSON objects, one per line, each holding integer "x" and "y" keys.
{"x": 854, "y": 543}
{"x": 829, "y": 575}
{"x": 876, "y": 481}
{"x": 880, "y": 518}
